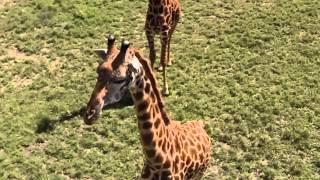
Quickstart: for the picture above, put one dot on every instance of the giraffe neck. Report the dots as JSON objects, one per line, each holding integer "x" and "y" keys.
{"x": 152, "y": 118}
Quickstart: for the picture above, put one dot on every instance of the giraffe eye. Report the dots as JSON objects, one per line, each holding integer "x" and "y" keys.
{"x": 118, "y": 81}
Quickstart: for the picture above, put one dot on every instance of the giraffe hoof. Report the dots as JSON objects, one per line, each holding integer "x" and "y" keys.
{"x": 165, "y": 92}
{"x": 160, "y": 68}
{"x": 169, "y": 63}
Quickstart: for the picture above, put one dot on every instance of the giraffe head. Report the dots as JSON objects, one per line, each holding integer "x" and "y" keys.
{"x": 113, "y": 79}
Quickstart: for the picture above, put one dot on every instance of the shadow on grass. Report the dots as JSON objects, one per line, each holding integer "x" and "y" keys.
{"x": 48, "y": 124}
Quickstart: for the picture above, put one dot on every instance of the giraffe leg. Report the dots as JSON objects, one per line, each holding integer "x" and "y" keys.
{"x": 172, "y": 29}
{"x": 152, "y": 54}
{"x": 163, "y": 60}
{"x": 169, "y": 61}
{"x": 165, "y": 83}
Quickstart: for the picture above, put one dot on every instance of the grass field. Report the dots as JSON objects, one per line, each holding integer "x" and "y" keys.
{"x": 249, "y": 69}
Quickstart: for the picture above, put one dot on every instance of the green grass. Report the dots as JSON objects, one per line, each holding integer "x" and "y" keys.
{"x": 249, "y": 69}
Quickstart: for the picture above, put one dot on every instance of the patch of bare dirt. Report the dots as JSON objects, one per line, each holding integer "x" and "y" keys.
{"x": 7, "y": 3}
{"x": 18, "y": 82}
{"x": 2, "y": 89}
{"x": 15, "y": 54}
{"x": 35, "y": 147}
{"x": 54, "y": 66}
{"x": 268, "y": 3}
{"x": 18, "y": 56}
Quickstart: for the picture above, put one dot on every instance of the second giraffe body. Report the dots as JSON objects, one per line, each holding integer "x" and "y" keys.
{"x": 172, "y": 150}
{"x": 162, "y": 18}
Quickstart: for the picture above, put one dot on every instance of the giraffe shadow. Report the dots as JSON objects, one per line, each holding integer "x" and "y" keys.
{"x": 48, "y": 124}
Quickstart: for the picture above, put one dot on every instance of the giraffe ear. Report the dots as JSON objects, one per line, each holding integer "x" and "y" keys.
{"x": 102, "y": 53}
{"x": 131, "y": 72}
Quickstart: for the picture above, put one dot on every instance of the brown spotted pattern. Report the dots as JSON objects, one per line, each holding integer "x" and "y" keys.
{"x": 162, "y": 18}
{"x": 172, "y": 150}
{"x": 106, "y": 89}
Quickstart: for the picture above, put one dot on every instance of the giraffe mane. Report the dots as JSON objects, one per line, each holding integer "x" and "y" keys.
{"x": 148, "y": 70}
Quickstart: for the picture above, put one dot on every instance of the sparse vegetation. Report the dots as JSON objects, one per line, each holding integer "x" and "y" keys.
{"x": 249, "y": 69}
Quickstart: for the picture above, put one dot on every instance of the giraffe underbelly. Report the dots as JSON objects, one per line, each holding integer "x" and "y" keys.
{"x": 160, "y": 22}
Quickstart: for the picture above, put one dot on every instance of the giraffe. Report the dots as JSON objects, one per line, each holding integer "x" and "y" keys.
{"x": 171, "y": 150}
{"x": 110, "y": 93}
{"x": 162, "y": 18}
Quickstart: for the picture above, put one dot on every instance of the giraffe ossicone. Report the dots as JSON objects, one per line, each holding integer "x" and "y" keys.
{"x": 106, "y": 92}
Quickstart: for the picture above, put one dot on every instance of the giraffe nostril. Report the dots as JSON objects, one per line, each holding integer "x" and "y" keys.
{"x": 91, "y": 112}
{"x": 91, "y": 116}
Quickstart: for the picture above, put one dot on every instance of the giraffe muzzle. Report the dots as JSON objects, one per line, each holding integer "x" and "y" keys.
{"x": 91, "y": 116}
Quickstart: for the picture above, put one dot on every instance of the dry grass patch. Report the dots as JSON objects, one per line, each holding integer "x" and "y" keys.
{"x": 7, "y": 3}
{"x": 14, "y": 53}
{"x": 36, "y": 147}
